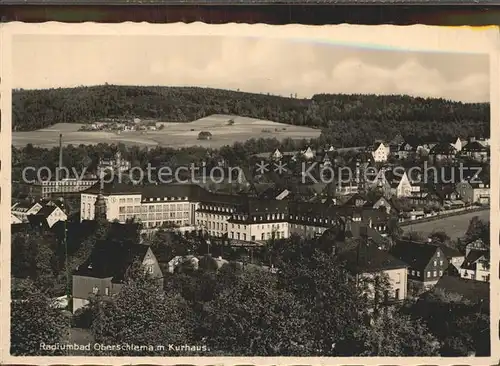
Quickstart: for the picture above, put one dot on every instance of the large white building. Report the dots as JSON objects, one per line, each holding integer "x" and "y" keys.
{"x": 153, "y": 205}
{"x": 240, "y": 218}
{"x": 48, "y": 188}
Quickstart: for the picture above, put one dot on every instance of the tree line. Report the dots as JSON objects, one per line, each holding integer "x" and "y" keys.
{"x": 346, "y": 120}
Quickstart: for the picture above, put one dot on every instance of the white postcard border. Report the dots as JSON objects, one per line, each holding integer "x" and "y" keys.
{"x": 415, "y": 38}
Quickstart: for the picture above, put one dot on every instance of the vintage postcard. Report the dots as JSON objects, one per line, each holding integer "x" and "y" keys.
{"x": 249, "y": 194}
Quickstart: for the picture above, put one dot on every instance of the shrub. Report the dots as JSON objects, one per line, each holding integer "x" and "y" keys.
{"x": 204, "y": 135}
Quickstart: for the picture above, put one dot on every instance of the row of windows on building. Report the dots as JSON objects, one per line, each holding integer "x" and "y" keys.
{"x": 158, "y": 224}
{"x": 430, "y": 274}
{"x": 155, "y": 216}
{"x": 217, "y": 208}
{"x": 63, "y": 189}
{"x": 243, "y": 236}
{"x": 153, "y": 199}
{"x": 224, "y": 226}
{"x": 154, "y": 208}
{"x": 67, "y": 183}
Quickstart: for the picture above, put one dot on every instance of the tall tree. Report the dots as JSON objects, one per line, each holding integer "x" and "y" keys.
{"x": 394, "y": 335}
{"x": 254, "y": 317}
{"x": 142, "y": 314}
{"x": 36, "y": 322}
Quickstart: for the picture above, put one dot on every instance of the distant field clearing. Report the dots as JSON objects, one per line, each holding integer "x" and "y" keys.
{"x": 173, "y": 134}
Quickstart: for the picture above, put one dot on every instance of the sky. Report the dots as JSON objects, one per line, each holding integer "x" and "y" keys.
{"x": 276, "y": 66}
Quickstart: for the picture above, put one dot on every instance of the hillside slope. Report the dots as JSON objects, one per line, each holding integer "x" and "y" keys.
{"x": 357, "y": 118}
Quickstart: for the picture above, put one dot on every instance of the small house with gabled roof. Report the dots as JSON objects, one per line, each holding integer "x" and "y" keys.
{"x": 476, "y": 151}
{"x": 426, "y": 261}
{"x": 105, "y": 271}
{"x": 443, "y": 151}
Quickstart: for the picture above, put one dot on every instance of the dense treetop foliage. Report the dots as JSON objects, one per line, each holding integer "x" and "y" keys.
{"x": 240, "y": 308}
{"x": 346, "y": 119}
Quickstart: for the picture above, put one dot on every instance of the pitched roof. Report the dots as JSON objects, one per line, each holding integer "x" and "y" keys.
{"x": 450, "y": 252}
{"x": 473, "y": 256}
{"x": 415, "y": 254}
{"x": 443, "y": 148}
{"x": 354, "y": 198}
{"x": 47, "y": 210}
{"x": 23, "y": 205}
{"x": 111, "y": 260}
{"x": 474, "y": 146}
{"x": 475, "y": 291}
{"x": 357, "y": 229}
{"x": 364, "y": 258}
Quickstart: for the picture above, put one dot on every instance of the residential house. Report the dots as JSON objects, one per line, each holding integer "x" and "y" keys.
{"x": 14, "y": 219}
{"x": 443, "y": 151}
{"x": 476, "y": 265}
{"x": 22, "y": 209}
{"x": 446, "y": 196}
{"x": 406, "y": 149}
{"x": 380, "y": 152}
{"x": 475, "y": 245}
{"x": 454, "y": 257}
{"x": 413, "y": 146}
{"x": 476, "y": 151}
{"x": 426, "y": 261}
{"x": 379, "y": 203}
{"x": 474, "y": 190}
{"x": 400, "y": 183}
{"x": 105, "y": 271}
{"x": 50, "y": 214}
{"x": 485, "y": 141}
{"x": 457, "y": 143}
{"x": 365, "y": 258}
{"x": 276, "y": 155}
{"x": 308, "y": 154}
{"x": 477, "y": 292}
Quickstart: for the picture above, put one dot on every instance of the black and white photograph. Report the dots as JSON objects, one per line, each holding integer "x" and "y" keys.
{"x": 249, "y": 191}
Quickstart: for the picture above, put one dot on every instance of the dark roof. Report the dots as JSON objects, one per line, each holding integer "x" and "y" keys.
{"x": 474, "y": 291}
{"x": 46, "y": 211}
{"x": 256, "y": 206}
{"x": 352, "y": 200}
{"x": 443, "y": 148}
{"x": 193, "y": 191}
{"x": 111, "y": 260}
{"x": 190, "y": 190}
{"x": 354, "y": 230}
{"x": 37, "y": 221}
{"x": 474, "y": 146}
{"x": 472, "y": 258}
{"x": 417, "y": 255}
{"x": 450, "y": 252}
{"x": 113, "y": 188}
{"x": 364, "y": 258}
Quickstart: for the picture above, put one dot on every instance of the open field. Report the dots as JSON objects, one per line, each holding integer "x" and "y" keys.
{"x": 454, "y": 226}
{"x": 172, "y": 135}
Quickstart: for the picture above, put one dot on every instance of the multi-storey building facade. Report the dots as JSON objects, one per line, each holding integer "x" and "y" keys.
{"x": 154, "y": 205}
{"x": 48, "y": 188}
{"x": 243, "y": 218}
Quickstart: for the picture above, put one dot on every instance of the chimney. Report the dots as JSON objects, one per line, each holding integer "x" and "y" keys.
{"x": 60, "y": 156}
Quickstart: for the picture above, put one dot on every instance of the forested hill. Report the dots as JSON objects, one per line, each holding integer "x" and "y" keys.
{"x": 34, "y": 109}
